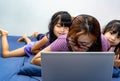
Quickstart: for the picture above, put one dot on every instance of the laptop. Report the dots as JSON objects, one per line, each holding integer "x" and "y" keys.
{"x": 77, "y": 66}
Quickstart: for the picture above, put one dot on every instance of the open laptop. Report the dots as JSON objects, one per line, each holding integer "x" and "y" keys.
{"x": 77, "y": 66}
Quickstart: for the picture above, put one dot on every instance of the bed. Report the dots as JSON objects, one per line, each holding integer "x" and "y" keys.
{"x": 10, "y": 67}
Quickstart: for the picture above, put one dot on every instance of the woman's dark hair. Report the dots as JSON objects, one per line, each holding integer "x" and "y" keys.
{"x": 89, "y": 25}
{"x": 65, "y": 20}
{"x": 114, "y": 27}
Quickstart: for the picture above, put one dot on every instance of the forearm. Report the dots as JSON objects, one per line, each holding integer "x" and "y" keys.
{"x": 35, "y": 51}
{"x": 39, "y": 44}
{"x": 37, "y": 58}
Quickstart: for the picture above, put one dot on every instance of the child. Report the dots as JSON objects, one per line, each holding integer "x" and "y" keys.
{"x": 112, "y": 34}
{"x": 84, "y": 35}
{"x": 37, "y": 35}
{"x": 59, "y": 24}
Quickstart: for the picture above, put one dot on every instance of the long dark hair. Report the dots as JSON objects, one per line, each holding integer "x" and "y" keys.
{"x": 65, "y": 20}
{"x": 114, "y": 27}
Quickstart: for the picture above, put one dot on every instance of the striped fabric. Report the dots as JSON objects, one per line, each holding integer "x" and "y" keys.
{"x": 60, "y": 44}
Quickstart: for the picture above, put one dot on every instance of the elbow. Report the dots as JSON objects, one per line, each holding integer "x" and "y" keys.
{"x": 36, "y": 62}
{"x": 33, "y": 50}
{"x": 32, "y": 61}
{"x": 5, "y": 55}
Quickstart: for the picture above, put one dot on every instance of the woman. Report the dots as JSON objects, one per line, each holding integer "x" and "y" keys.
{"x": 84, "y": 35}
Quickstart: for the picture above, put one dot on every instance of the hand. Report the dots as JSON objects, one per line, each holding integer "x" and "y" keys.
{"x": 117, "y": 63}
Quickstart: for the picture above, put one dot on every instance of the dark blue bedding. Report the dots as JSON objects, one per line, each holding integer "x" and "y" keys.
{"x": 9, "y": 67}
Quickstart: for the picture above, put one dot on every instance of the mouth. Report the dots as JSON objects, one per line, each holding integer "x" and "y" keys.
{"x": 111, "y": 42}
{"x": 61, "y": 33}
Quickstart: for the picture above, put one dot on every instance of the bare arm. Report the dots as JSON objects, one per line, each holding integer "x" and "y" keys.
{"x": 37, "y": 58}
{"x": 58, "y": 45}
{"x": 36, "y": 48}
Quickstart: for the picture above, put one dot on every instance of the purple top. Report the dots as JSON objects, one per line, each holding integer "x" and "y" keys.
{"x": 28, "y": 47}
{"x": 60, "y": 44}
{"x": 105, "y": 43}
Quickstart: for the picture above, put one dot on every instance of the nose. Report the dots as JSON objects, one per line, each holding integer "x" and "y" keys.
{"x": 63, "y": 30}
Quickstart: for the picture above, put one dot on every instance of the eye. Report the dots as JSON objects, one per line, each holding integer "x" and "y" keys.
{"x": 111, "y": 32}
{"x": 84, "y": 45}
{"x": 66, "y": 28}
{"x": 58, "y": 25}
{"x": 118, "y": 37}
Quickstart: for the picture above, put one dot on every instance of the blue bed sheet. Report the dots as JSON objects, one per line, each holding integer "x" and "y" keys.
{"x": 9, "y": 67}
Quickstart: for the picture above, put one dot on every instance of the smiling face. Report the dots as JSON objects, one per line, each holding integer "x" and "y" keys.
{"x": 112, "y": 38}
{"x": 112, "y": 32}
{"x": 60, "y": 30}
{"x": 84, "y": 34}
{"x": 82, "y": 43}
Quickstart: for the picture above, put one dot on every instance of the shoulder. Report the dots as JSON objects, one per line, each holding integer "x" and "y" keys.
{"x": 103, "y": 38}
{"x": 63, "y": 36}
{"x": 105, "y": 43}
{"x": 59, "y": 44}
{"x": 61, "y": 39}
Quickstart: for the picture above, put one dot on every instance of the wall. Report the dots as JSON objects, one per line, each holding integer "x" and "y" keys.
{"x": 26, "y": 16}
